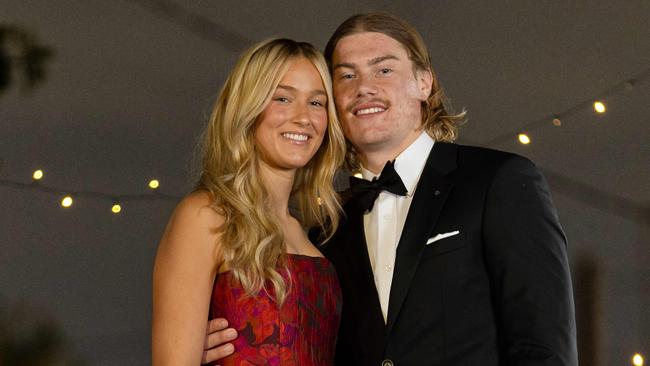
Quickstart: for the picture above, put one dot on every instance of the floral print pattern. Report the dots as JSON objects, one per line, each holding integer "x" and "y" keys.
{"x": 302, "y": 332}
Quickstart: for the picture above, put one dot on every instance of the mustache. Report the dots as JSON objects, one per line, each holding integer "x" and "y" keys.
{"x": 357, "y": 103}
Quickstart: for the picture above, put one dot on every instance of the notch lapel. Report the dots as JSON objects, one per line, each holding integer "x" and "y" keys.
{"x": 429, "y": 197}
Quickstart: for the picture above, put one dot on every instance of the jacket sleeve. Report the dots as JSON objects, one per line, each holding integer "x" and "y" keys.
{"x": 525, "y": 252}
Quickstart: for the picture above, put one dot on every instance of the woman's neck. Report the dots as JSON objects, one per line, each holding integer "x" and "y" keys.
{"x": 278, "y": 184}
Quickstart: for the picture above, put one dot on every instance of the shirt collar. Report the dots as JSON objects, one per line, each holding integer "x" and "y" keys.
{"x": 409, "y": 164}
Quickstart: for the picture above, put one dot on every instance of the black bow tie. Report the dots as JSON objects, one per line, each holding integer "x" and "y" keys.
{"x": 366, "y": 192}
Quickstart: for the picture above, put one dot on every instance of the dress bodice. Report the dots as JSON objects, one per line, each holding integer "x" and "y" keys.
{"x": 301, "y": 332}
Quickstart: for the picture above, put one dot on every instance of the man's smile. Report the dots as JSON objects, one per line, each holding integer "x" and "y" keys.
{"x": 369, "y": 108}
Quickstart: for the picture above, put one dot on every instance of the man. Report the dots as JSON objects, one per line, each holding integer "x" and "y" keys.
{"x": 459, "y": 258}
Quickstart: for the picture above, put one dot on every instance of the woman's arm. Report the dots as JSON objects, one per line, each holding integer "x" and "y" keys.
{"x": 183, "y": 277}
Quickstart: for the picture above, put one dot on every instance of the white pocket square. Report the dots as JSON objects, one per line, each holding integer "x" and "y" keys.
{"x": 442, "y": 236}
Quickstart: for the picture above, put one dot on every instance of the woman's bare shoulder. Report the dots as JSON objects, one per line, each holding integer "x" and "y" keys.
{"x": 194, "y": 223}
{"x": 197, "y": 209}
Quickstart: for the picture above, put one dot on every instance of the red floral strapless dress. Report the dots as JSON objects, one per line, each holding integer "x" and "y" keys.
{"x": 302, "y": 332}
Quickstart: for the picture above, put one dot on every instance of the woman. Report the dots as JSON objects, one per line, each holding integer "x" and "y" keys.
{"x": 232, "y": 249}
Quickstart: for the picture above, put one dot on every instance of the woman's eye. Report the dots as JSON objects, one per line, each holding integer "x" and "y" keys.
{"x": 281, "y": 99}
{"x": 317, "y": 103}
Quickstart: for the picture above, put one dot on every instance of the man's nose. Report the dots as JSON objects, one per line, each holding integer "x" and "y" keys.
{"x": 365, "y": 86}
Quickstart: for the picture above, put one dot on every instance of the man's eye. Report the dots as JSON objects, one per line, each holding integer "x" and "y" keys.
{"x": 347, "y": 76}
{"x": 385, "y": 71}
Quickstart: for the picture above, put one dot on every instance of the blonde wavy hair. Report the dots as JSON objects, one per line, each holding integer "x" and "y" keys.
{"x": 439, "y": 124}
{"x": 252, "y": 241}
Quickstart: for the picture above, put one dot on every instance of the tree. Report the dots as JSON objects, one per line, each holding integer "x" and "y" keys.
{"x": 30, "y": 338}
{"x": 21, "y": 52}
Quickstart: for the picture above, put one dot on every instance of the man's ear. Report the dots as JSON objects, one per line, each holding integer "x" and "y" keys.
{"x": 425, "y": 82}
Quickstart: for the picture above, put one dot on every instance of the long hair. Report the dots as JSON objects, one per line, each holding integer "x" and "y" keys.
{"x": 252, "y": 241}
{"x": 438, "y": 123}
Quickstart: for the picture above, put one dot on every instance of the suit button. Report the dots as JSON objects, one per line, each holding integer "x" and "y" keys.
{"x": 387, "y": 362}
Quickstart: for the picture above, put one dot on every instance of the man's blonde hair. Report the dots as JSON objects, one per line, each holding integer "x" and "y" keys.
{"x": 439, "y": 124}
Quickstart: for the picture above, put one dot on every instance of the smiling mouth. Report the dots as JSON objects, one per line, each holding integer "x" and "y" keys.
{"x": 298, "y": 138}
{"x": 367, "y": 111}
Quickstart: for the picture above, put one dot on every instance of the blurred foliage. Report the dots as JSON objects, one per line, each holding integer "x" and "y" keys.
{"x": 21, "y": 53}
{"x": 28, "y": 338}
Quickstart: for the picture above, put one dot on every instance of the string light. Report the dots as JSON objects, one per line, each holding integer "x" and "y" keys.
{"x": 530, "y": 127}
{"x": 524, "y": 139}
{"x": 599, "y": 107}
{"x": 66, "y": 201}
{"x": 557, "y": 122}
{"x": 154, "y": 184}
{"x": 637, "y": 360}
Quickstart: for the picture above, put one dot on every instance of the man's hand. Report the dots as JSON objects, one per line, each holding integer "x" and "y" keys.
{"x": 216, "y": 346}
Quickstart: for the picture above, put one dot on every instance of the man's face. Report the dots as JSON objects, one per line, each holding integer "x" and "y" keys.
{"x": 378, "y": 94}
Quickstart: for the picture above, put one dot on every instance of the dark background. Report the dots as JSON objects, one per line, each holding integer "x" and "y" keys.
{"x": 131, "y": 84}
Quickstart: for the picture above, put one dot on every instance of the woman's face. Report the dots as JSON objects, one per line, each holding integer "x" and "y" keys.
{"x": 291, "y": 128}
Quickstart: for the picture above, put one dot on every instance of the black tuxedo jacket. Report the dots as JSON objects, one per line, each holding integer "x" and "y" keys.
{"x": 498, "y": 293}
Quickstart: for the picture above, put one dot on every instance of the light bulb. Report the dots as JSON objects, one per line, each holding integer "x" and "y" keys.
{"x": 66, "y": 201}
{"x": 38, "y": 174}
{"x": 154, "y": 184}
{"x": 637, "y": 360}
{"x": 524, "y": 139}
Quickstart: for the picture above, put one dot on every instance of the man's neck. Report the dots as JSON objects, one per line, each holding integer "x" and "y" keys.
{"x": 374, "y": 160}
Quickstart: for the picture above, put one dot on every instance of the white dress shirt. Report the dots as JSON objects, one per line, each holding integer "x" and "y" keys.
{"x": 384, "y": 223}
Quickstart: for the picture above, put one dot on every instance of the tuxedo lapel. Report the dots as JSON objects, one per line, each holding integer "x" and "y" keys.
{"x": 428, "y": 200}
